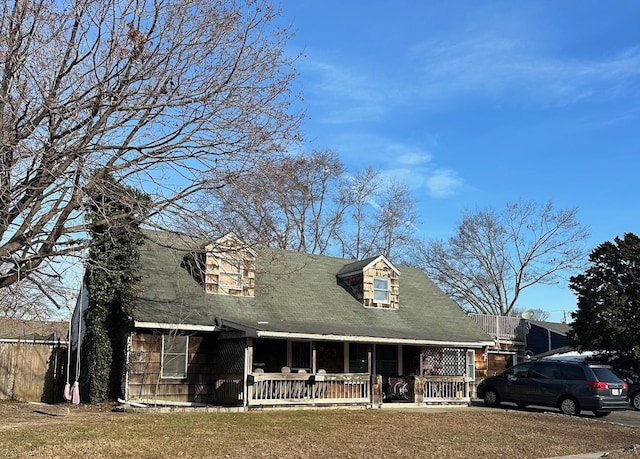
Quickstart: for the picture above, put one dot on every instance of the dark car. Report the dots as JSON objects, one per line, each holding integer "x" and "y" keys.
{"x": 570, "y": 386}
{"x": 633, "y": 383}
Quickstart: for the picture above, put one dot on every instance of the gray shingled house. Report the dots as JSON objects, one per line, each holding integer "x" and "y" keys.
{"x": 223, "y": 324}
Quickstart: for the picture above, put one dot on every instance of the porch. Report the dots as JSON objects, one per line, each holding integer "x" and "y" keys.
{"x": 302, "y": 389}
{"x": 500, "y": 327}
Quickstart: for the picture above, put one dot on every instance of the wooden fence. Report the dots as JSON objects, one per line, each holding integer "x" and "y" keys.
{"x": 32, "y": 371}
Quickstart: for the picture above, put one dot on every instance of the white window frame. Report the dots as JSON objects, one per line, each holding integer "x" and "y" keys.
{"x": 237, "y": 274}
{"x": 471, "y": 365}
{"x": 184, "y": 354}
{"x": 386, "y": 290}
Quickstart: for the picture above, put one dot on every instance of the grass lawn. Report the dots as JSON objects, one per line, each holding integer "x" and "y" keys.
{"x": 50, "y": 432}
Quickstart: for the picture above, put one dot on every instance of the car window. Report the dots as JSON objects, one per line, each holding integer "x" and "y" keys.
{"x": 606, "y": 375}
{"x": 545, "y": 370}
{"x": 519, "y": 371}
{"x": 572, "y": 372}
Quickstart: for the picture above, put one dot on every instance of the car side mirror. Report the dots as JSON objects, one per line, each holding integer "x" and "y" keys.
{"x": 512, "y": 377}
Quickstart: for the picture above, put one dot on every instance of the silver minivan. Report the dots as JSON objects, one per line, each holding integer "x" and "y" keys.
{"x": 570, "y": 386}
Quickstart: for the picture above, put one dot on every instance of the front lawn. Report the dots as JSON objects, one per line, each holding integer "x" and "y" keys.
{"x": 29, "y": 431}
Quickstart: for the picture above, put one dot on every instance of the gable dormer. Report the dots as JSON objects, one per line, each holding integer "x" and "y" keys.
{"x": 375, "y": 282}
{"x": 229, "y": 267}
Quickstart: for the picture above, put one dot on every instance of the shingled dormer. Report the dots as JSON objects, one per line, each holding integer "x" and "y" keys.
{"x": 230, "y": 267}
{"x": 375, "y": 282}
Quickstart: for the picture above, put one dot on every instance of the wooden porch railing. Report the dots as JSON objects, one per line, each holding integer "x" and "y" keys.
{"x": 501, "y": 327}
{"x": 308, "y": 389}
{"x": 446, "y": 389}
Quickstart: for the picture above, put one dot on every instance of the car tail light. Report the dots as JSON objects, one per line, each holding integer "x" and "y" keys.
{"x": 598, "y": 384}
{"x": 625, "y": 386}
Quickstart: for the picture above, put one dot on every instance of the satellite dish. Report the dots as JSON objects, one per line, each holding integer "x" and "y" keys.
{"x": 527, "y": 315}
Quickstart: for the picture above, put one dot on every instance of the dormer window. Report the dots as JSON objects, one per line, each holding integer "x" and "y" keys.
{"x": 229, "y": 267}
{"x": 375, "y": 282}
{"x": 230, "y": 273}
{"x": 380, "y": 290}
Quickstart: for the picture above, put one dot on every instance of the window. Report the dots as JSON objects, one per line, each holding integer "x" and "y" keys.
{"x": 230, "y": 272}
{"x": 544, "y": 370}
{"x": 519, "y": 371}
{"x": 380, "y": 290}
{"x": 471, "y": 364}
{"x": 175, "y": 350}
{"x": 572, "y": 372}
{"x": 358, "y": 358}
{"x": 301, "y": 355}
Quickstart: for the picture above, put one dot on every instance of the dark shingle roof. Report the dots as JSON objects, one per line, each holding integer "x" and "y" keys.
{"x": 557, "y": 327}
{"x": 295, "y": 293}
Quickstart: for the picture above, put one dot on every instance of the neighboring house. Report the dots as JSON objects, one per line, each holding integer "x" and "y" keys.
{"x": 33, "y": 358}
{"x": 517, "y": 338}
{"x": 223, "y": 324}
{"x": 544, "y": 337}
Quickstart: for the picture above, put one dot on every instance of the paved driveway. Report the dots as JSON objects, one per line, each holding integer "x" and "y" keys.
{"x": 629, "y": 417}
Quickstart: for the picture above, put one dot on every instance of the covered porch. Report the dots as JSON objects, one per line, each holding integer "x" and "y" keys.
{"x": 320, "y": 372}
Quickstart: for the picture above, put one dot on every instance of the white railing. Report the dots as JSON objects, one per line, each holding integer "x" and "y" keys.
{"x": 308, "y": 389}
{"x": 501, "y": 327}
{"x": 445, "y": 389}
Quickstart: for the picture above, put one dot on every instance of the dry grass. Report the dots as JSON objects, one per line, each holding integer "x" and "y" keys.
{"x": 30, "y": 431}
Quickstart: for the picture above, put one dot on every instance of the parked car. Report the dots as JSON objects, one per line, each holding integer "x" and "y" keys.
{"x": 571, "y": 386}
{"x": 633, "y": 383}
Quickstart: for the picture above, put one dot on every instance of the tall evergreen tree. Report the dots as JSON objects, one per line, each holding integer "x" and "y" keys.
{"x": 115, "y": 213}
{"x": 608, "y": 314}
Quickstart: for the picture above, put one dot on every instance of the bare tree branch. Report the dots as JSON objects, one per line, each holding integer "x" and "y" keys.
{"x": 162, "y": 94}
{"x": 494, "y": 255}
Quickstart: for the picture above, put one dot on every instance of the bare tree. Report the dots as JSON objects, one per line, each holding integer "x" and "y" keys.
{"x": 531, "y": 313}
{"x": 494, "y": 256}
{"x": 288, "y": 202}
{"x": 157, "y": 93}
{"x": 383, "y": 217}
{"x": 359, "y": 193}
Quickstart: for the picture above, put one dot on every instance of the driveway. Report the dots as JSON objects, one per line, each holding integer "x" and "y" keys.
{"x": 629, "y": 417}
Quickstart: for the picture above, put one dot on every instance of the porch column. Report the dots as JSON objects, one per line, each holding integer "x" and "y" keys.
{"x": 248, "y": 369}
{"x": 313, "y": 358}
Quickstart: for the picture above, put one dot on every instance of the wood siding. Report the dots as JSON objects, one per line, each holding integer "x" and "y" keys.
{"x": 361, "y": 285}
{"x": 382, "y": 270}
{"x": 144, "y": 378}
{"x": 32, "y": 372}
{"x": 230, "y": 272}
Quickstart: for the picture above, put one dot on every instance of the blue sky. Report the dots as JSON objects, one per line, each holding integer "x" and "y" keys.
{"x": 474, "y": 104}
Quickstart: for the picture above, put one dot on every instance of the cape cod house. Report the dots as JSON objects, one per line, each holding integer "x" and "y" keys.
{"x": 223, "y": 324}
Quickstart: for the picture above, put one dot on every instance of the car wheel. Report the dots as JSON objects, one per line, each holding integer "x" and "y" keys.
{"x": 569, "y": 406}
{"x": 601, "y": 414}
{"x": 635, "y": 401}
{"x": 491, "y": 397}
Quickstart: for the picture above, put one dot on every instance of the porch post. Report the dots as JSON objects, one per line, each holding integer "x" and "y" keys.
{"x": 248, "y": 369}
{"x": 313, "y": 357}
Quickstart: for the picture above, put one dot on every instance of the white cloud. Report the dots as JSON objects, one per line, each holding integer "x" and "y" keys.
{"x": 345, "y": 93}
{"x": 442, "y": 183}
{"x": 500, "y": 67}
{"x": 414, "y": 159}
